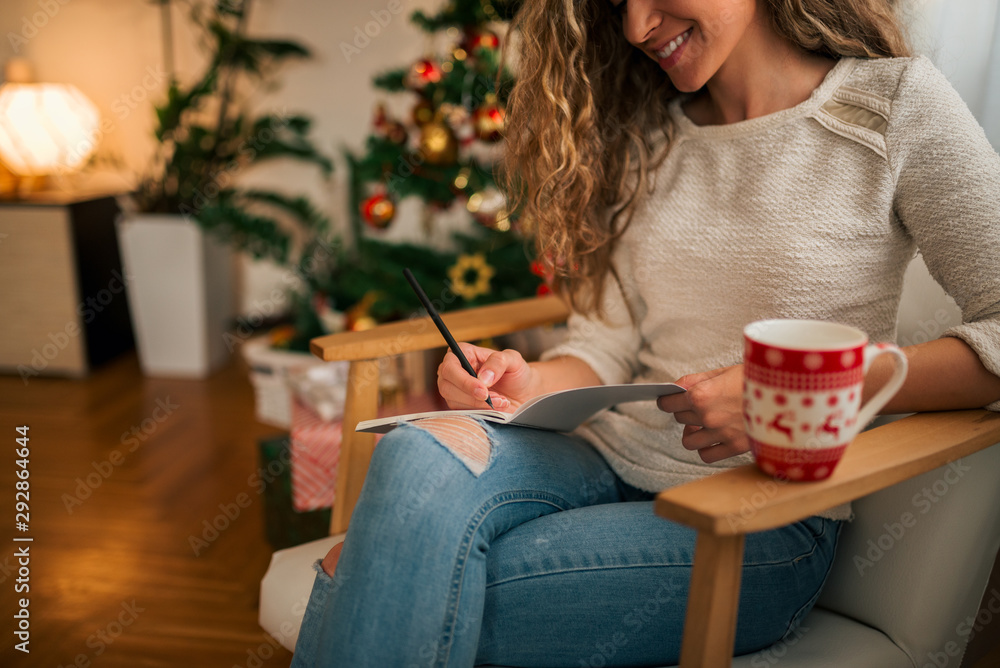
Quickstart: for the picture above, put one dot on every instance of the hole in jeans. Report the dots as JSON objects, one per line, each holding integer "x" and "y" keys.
{"x": 464, "y": 437}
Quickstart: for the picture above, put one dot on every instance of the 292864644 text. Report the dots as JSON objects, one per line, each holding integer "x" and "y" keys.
{"x": 22, "y": 521}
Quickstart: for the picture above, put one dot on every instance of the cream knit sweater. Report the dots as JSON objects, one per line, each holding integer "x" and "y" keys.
{"x": 811, "y": 212}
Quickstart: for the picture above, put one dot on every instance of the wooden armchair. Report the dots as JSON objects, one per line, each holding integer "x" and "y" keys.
{"x": 725, "y": 507}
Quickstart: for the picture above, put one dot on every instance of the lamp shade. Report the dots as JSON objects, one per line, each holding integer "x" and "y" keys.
{"x": 45, "y": 128}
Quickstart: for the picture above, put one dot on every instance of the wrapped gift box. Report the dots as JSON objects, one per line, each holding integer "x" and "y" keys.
{"x": 315, "y": 444}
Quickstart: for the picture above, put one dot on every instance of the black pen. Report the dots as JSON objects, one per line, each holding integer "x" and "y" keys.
{"x": 432, "y": 312}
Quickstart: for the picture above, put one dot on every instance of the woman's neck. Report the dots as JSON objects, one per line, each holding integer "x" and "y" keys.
{"x": 764, "y": 74}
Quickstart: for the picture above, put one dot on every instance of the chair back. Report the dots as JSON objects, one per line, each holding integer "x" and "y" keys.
{"x": 915, "y": 561}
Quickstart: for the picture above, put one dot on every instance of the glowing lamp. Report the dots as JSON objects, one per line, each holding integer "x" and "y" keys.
{"x": 44, "y": 128}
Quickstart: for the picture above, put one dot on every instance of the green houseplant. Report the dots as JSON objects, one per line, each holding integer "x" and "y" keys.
{"x": 188, "y": 201}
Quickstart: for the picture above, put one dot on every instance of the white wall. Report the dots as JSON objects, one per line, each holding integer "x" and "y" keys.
{"x": 962, "y": 37}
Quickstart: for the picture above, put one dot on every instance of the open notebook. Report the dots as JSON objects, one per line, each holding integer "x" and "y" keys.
{"x": 564, "y": 410}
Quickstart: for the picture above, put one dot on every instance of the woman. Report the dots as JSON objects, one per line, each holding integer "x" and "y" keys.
{"x": 689, "y": 166}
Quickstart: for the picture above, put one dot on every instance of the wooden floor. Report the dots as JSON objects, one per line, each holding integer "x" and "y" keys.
{"x": 114, "y": 579}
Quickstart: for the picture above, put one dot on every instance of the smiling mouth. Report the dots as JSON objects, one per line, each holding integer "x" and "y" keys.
{"x": 673, "y": 45}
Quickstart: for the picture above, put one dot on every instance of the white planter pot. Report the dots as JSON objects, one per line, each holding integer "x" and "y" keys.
{"x": 180, "y": 293}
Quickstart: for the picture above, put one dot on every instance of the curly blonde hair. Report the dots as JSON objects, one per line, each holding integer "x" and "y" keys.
{"x": 587, "y": 122}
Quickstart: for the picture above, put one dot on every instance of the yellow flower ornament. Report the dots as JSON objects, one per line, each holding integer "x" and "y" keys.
{"x": 470, "y": 276}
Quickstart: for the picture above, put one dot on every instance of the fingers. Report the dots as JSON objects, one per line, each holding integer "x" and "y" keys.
{"x": 457, "y": 398}
{"x": 461, "y": 390}
{"x": 714, "y": 445}
{"x": 451, "y": 370}
{"x": 498, "y": 364}
{"x": 711, "y": 413}
{"x": 675, "y": 403}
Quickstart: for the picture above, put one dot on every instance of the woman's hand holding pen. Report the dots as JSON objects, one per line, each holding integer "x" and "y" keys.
{"x": 503, "y": 375}
{"x": 712, "y": 413}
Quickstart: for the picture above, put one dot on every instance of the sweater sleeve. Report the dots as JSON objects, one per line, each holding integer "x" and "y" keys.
{"x": 948, "y": 198}
{"x": 609, "y": 345}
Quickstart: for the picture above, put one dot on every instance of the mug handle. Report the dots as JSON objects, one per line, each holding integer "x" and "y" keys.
{"x": 882, "y": 397}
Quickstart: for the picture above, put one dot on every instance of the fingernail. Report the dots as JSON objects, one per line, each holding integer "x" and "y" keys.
{"x": 487, "y": 377}
{"x": 480, "y": 393}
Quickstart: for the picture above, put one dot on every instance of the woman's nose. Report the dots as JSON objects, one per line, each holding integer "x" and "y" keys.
{"x": 640, "y": 21}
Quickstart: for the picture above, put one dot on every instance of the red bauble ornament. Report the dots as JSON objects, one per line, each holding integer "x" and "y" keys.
{"x": 479, "y": 38}
{"x": 378, "y": 211}
{"x": 423, "y": 72}
{"x": 488, "y": 121}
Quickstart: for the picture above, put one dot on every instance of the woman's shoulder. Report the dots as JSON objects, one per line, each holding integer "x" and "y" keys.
{"x": 898, "y": 79}
{"x": 902, "y": 99}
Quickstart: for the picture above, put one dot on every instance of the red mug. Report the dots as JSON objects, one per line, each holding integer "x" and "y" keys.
{"x": 802, "y": 393}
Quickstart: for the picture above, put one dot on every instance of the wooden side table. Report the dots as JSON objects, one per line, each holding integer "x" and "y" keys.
{"x": 63, "y": 308}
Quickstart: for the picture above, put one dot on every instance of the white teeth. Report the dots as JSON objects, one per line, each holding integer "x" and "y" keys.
{"x": 666, "y": 51}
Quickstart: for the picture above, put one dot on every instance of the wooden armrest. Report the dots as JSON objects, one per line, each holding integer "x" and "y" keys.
{"x": 877, "y": 459}
{"x": 728, "y": 505}
{"x": 469, "y": 324}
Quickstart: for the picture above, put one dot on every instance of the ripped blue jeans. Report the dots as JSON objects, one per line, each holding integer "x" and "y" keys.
{"x": 540, "y": 555}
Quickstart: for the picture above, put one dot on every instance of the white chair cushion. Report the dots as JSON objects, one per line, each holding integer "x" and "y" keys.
{"x": 828, "y": 640}
{"x": 285, "y": 589}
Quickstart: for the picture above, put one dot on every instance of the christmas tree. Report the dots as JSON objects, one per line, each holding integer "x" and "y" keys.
{"x": 443, "y": 153}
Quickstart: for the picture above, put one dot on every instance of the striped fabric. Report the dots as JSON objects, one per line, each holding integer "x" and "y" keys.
{"x": 316, "y": 450}
{"x": 315, "y": 454}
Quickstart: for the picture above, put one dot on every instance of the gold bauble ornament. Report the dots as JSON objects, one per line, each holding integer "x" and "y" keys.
{"x": 438, "y": 144}
{"x": 423, "y": 113}
{"x": 489, "y": 208}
